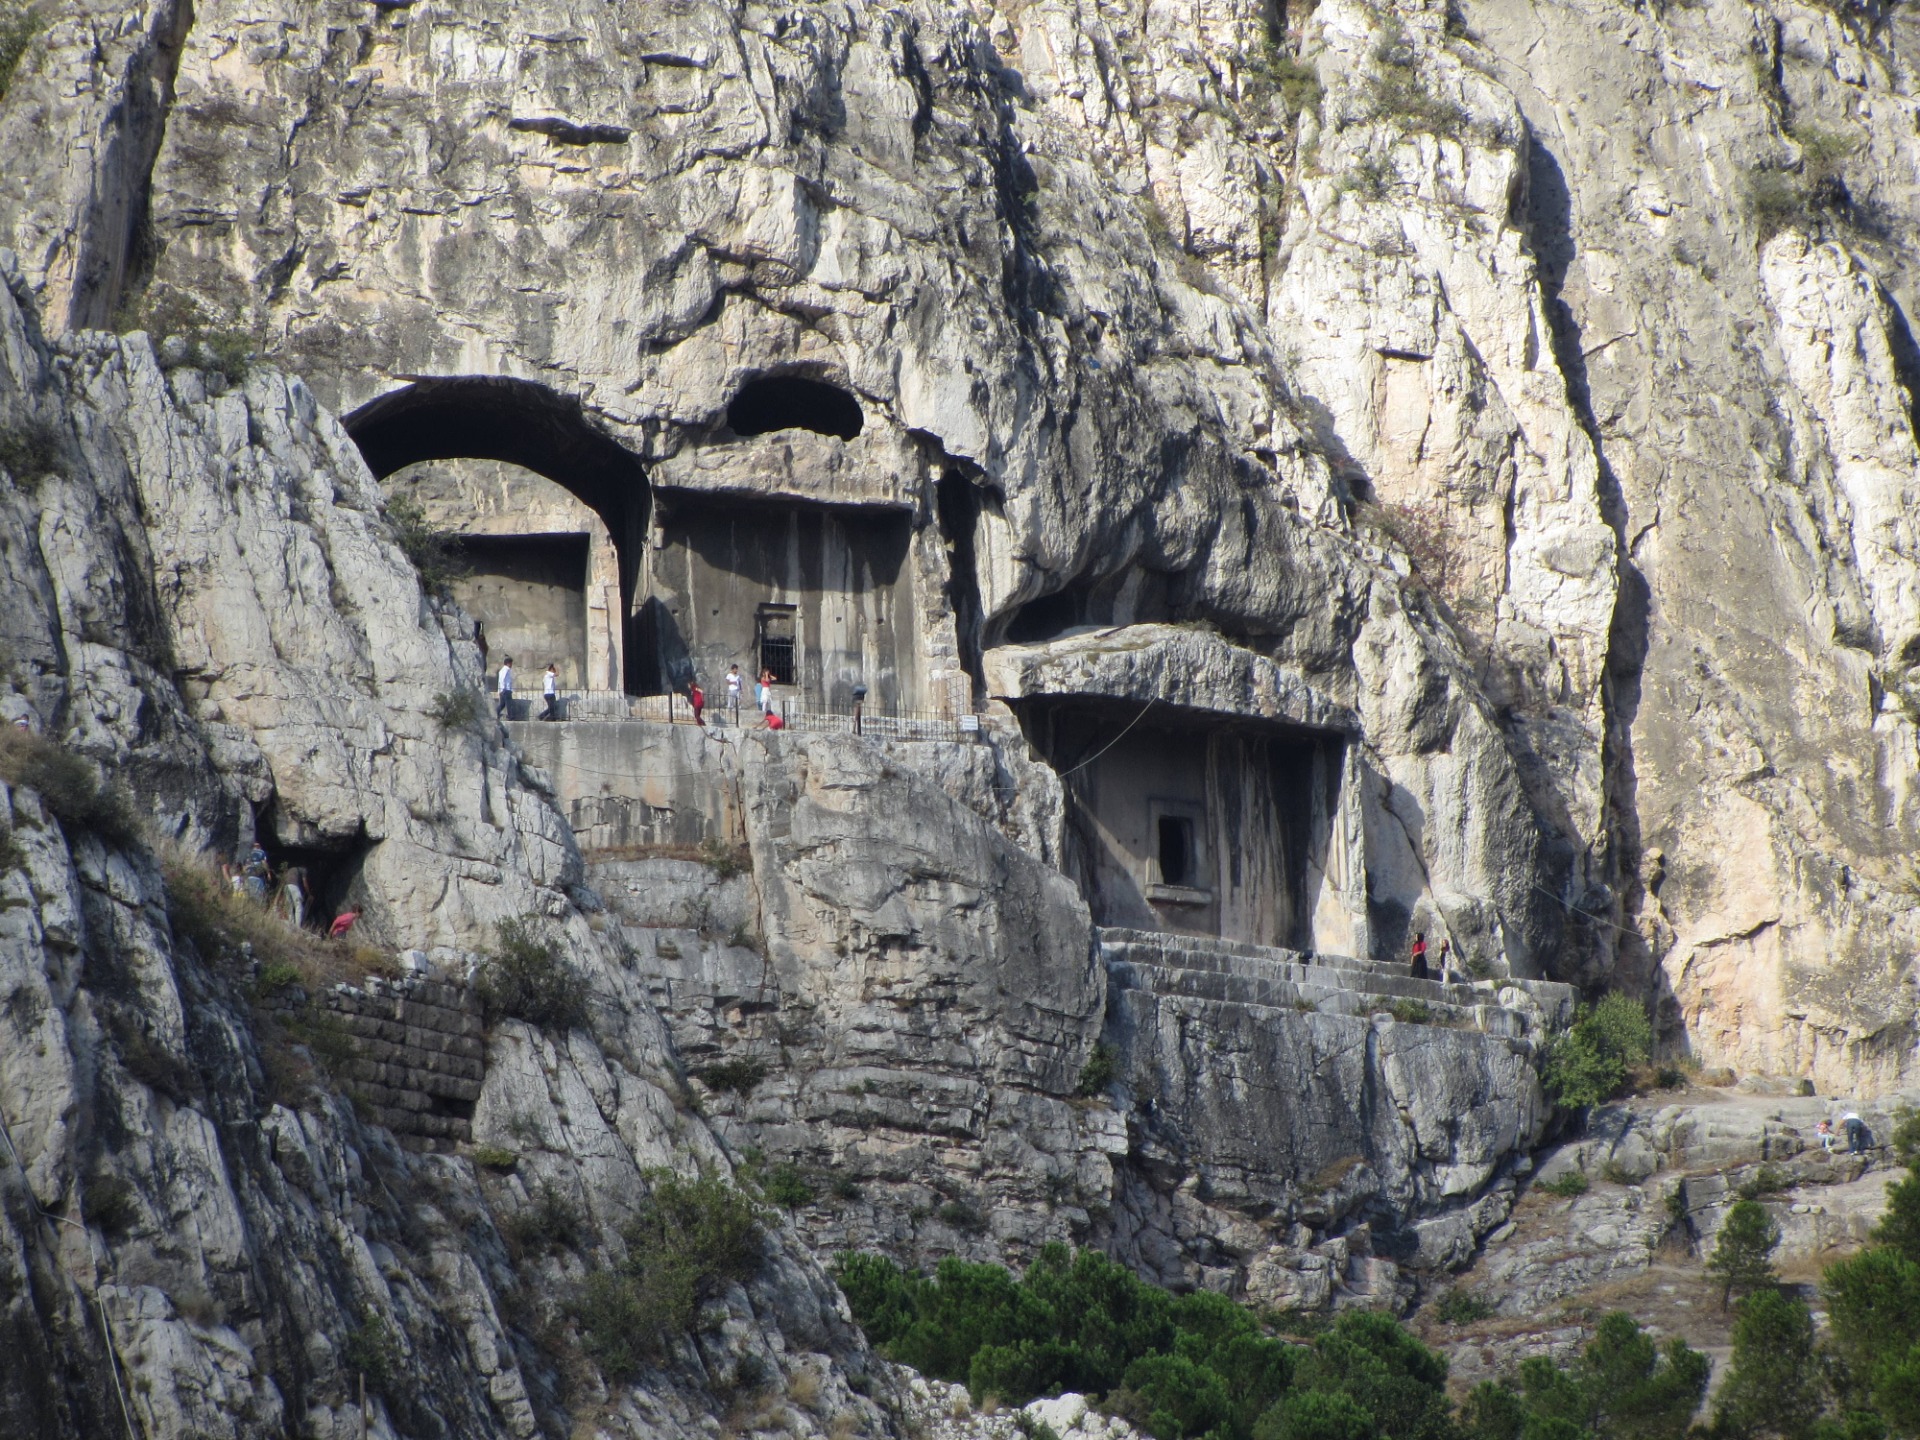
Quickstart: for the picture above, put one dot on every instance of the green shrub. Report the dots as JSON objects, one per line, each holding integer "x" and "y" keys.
{"x": 67, "y": 785}
{"x": 108, "y": 1203}
{"x": 1395, "y": 90}
{"x": 149, "y": 1061}
{"x": 1101, "y": 1066}
{"x": 431, "y": 552}
{"x": 1567, "y": 1185}
{"x": 454, "y": 710}
{"x": 961, "y": 1216}
{"x": 29, "y": 449}
{"x": 371, "y": 1349}
{"x": 495, "y": 1157}
{"x": 1777, "y": 200}
{"x": 1372, "y": 178}
{"x": 690, "y": 1238}
{"x": 547, "y": 1223}
{"x": 726, "y": 861}
{"x": 18, "y": 25}
{"x": 1397, "y": 93}
{"x": 13, "y": 855}
{"x": 1743, "y": 1255}
{"x": 1271, "y": 74}
{"x": 1821, "y": 150}
{"x": 786, "y": 1186}
{"x": 1589, "y": 1064}
{"x": 1460, "y": 1306}
{"x": 739, "y": 1075}
{"x": 525, "y": 978}
{"x": 1411, "y": 1012}
{"x": 275, "y": 978}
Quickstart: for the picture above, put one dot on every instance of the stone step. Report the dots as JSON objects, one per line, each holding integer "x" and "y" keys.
{"x": 1299, "y": 969}
{"x": 1284, "y": 998}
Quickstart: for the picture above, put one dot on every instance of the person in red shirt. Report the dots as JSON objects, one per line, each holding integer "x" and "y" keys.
{"x": 1420, "y": 955}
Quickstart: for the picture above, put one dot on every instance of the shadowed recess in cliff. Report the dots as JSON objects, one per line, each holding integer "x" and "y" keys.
{"x": 792, "y": 402}
{"x": 482, "y": 417}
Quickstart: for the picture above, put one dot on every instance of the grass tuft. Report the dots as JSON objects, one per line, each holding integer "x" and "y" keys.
{"x": 69, "y": 786}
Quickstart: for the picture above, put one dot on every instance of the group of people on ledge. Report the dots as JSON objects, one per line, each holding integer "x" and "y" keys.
{"x": 285, "y": 892}
{"x": 549, "y": 692}
{"x": 695, "y": 696}
{"x": 1420, "y": 968}
{"x": 736, "y": 683}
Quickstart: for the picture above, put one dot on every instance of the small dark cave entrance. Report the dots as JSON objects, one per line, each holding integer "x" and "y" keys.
{"x": 1132, "y": 596}
{"x": 793, "y": 402}
{"x": 332, "y": 871}
{"x": 484, "y": 417}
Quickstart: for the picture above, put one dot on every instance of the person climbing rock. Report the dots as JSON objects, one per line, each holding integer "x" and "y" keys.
{"x": 1419, "y": 967}
{"x": 503, "y": 707}
{"x": 1859, "y": 1137}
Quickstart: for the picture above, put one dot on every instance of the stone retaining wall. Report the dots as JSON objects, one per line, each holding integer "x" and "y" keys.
{"x": 419, "y": 1055}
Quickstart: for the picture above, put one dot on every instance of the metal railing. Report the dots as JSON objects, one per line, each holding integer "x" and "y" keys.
{"x": 900, "y": 725}
{"x": 795, "y": 713}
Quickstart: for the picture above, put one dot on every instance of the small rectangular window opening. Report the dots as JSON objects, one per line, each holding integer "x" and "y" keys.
{"x": 1176, "y": 850}
{"x": 776, "y": 626}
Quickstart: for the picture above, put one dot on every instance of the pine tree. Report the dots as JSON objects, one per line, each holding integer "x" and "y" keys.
{"x": 1776, "y": 1386}
{"x": 1743, "y": 1256}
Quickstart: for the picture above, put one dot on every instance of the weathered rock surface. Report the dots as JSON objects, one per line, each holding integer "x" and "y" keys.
{"x": 199, "y": 595}
{"x": 902, "y": 1004}
{"x": 1661, "y": 1177}
{"x": 1534, "y": 403}
{"x": 963, "y": 219}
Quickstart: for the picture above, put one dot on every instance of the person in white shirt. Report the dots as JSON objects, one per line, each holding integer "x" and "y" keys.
{"x": 734, "y": 680}
{"x": 503, "y": 707}
{"x": 550, "y": 694}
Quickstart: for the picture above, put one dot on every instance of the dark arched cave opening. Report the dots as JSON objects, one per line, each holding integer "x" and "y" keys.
{"x": 519, "y": 422}
{"x": 791, "y": 402}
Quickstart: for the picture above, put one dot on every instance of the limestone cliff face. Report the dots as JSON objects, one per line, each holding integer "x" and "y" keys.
{"x": 201, "y": 599}
{"x": 1526, "y": 390}
{"x": 986, "y": 227}
{"x": 1505, "y": 275}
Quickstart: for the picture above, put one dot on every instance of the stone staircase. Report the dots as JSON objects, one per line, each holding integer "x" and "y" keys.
{"x": 1232, "y": 972}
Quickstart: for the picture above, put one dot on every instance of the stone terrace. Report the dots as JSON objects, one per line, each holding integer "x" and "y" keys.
{"x": 1232, "y": 972}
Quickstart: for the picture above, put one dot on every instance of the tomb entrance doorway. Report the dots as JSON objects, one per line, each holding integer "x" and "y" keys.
{"x": 1193, "y": 821}
{"x": 549, "y": 576}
